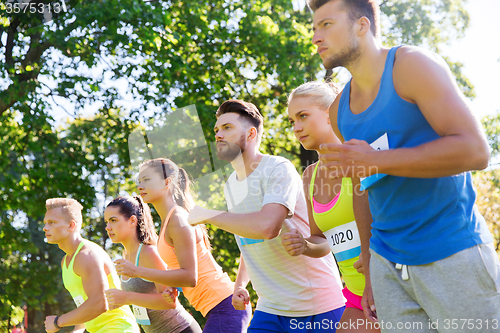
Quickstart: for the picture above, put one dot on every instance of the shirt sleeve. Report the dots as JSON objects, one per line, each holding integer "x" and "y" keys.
{"x": 283, "y": 187}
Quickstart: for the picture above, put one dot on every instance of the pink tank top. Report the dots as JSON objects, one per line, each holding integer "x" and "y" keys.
{"x": 213, "y": 284}
{"x": 321, "y": 208}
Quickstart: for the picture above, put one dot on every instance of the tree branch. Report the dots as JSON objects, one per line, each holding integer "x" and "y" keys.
{"x": 9, "y": 45}
{"x": 25, "y": 81}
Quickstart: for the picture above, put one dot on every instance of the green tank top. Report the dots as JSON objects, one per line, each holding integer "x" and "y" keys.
{"x": 339, "y": 227}
{"x": 118, "y": 320}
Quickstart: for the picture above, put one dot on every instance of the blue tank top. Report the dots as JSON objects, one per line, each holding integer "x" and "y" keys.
{"x": 415, "y": 220}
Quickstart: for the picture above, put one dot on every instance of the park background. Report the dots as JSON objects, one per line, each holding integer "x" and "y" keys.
{"x": 76, "y": 85}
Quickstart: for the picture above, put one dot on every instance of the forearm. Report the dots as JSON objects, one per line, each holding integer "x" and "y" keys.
{"x": 251, "y": 225}
{"x": 170, "y": 277}
{"x": 89, "y": 310}
{"x": 242, "y": 278}
{"x": 78, "y": 329}
{"x": 446, "y": 156}
{"x": 150, "y": 301}
{"x": 364, "y": 219}
{"x": 316, "y": 247}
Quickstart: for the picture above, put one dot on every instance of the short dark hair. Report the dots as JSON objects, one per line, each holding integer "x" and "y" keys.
{"x": 356, "y": 9}
{"x": 246, "y": 110}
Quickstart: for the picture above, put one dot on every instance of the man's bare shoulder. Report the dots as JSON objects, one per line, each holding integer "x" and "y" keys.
{"x": 90, "y": 255}
{"x": 412, "y": 58}
{"x": 418, "y": 71}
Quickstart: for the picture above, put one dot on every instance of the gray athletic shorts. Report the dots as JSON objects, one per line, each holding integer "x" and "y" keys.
{"x": 460, "y": 293}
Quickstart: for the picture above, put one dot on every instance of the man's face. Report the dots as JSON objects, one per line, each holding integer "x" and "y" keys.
{"x": 56, "y": 227}
{"x": 230, "y": 134}
{"x": 334, "y": 35}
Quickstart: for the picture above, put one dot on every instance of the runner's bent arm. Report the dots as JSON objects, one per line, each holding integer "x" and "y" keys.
{"x": 423, "y": 78}
{"x": 90, "y": 267}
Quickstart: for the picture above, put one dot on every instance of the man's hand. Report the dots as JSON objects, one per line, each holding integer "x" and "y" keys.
{"x": 49, "y": 324}
{"x": 116, "y": 298}
{"x": 368, "y": 304}
{"x": 241, "y": 298}
{"x": 293, "y": 242}
{"x": 351, "y": 159}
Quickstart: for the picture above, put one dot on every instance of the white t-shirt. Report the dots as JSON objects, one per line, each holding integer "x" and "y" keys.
{"x": 287, "y": 286}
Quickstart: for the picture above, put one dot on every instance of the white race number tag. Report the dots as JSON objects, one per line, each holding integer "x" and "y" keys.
{"x": 344, "y": 241}
{"x": 381, "y": 143}
{"x": 141, "y": 315}
{"x": 78, "y": 300}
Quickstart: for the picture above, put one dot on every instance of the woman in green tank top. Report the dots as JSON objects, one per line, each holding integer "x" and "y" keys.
{"x": 329, "y": 201}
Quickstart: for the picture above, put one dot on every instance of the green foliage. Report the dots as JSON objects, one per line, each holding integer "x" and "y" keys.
{"x": 427, "y": 23}
{"x": 423, "y": 22}
{"x": 492, "y": 126}
{"x": 488, "y": 182}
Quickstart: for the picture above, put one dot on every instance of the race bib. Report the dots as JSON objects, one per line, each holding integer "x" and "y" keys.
{"x": 141, "y": 315}
{"x": 344, "y": 241}
{"x": 78, "y": 300}
{"x": 381, "y": 143}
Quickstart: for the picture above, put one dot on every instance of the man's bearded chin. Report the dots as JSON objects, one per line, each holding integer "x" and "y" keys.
{"x": 229, "y": 152}
{"x": 344, "y": 58}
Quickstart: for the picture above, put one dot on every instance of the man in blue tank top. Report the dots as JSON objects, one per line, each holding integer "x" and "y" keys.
{"x": 410, "y": 139}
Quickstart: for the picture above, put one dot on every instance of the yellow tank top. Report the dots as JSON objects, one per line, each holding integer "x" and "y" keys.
{"x": 339, "y": 227}
{"x": 118, "y": 320}
{"x": 213, "y": 284}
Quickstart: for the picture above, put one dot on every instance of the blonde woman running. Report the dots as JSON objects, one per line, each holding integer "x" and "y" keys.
{"x": 329, "y": 201}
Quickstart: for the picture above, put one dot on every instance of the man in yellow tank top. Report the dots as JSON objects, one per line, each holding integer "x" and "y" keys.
{"x": 87, "y": 273}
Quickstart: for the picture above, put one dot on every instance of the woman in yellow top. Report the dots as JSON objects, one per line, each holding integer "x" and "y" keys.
{"x": 185, "y": 250}
{"x": 329, "y": 201}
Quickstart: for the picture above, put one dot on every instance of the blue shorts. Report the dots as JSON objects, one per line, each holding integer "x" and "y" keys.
{"x": 263, "y": 322}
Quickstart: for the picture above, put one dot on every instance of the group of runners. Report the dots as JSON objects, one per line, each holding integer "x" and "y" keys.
{"x": 389, "y": 207}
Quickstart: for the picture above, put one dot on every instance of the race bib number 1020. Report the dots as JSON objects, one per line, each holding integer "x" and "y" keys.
{"x": 344, "y": 241}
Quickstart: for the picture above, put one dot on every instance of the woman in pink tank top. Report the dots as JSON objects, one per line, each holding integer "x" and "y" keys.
{"x": 185, "y": 250}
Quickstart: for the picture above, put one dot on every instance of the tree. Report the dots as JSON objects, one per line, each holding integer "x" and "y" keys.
{"x": 488, "y": 182}
{"x": 40, "y": 163}
{"x": 172, "y": 54}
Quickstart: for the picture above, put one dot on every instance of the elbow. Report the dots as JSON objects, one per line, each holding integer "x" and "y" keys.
{"x": 272, "y": 231}
{"x": 485, "y": 158}
{"x": 101, "y": 306}
{"x": 191, "y": 280}
{"x": 482, "y": 157}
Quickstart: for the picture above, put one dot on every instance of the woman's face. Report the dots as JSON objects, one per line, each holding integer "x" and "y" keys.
{"x": 119, "y": 228}
{"x": 311, "y": 124}
{"x": 151, "y": 185}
